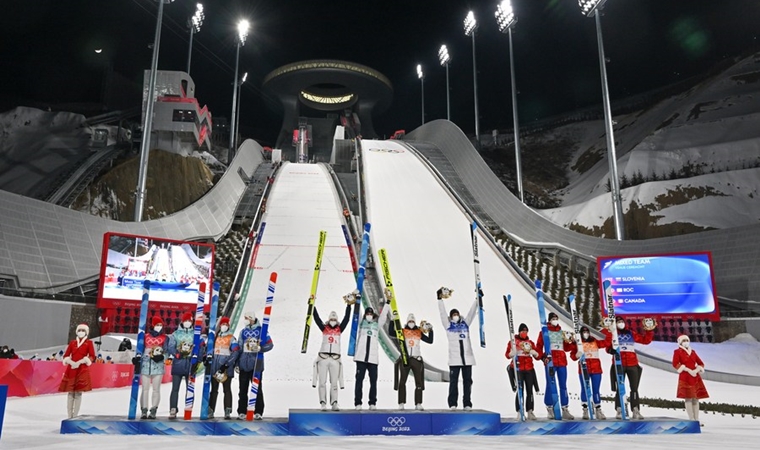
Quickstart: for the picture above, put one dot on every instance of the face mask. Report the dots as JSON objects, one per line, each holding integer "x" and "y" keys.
{"x": 158, "y": 328}
{"x": 369, "y": 318}
{"x": 554, "y": 322}
{"x": 455, "y": 319}
{"x": 685, "y": 344}
{"x": 333, "y": 323}
{"x": 224, "y": 328}
{"x": 410, "y": 324}
{"x": 621, "y": 325}
{"x": 81, "y": 334}
{"x": 524, "y": 334}
{"x": 186, "y": 324}
{"x": 585, "y": 335}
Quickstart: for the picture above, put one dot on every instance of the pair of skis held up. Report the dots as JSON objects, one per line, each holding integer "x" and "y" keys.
{"x": 360, "y": 289}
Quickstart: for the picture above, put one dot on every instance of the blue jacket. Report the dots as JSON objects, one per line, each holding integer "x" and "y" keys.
{"x": 182, "y": 362}
{"x": 247, "y": 359}
{"x": 225, "y": 356}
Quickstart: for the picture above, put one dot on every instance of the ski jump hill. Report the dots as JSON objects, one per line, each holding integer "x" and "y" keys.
{"x": 426, "y": 234}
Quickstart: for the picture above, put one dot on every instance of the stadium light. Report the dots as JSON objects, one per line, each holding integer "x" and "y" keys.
{"x": 242, "y": 34}
{"x": 142, "y": 174}
{"x": 240, "y": 95}
{"x": 194, "y": 23}
{"x": 421, "y": 76}
{"x": 470, "y": 27}
{"x": 506, "y": 19}
{"x": 445, "y": 60}
{"x": 589, "y": 8}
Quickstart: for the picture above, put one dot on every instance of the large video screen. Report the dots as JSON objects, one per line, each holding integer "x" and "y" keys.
{"x": 175, "y": 268}
{"x": 676, "y": 285}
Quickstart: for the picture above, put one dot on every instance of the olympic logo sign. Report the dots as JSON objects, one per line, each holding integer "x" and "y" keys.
{"x": 396, "y": 421}
{"x": 387, "y": 150}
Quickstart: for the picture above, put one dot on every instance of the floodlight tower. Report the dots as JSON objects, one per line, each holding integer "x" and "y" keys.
{"x": 242, "y": 30}
{"x": 470, "y": 27}
{"x": 445, "y": 59}
{"x": 421, "y": 76}
{"x": 240, "y": 95}
{"x": 593, "y": 8}
{"x": 506, "y": 19}
{"x": 194, "y": 23}
{"x": 150, "y": 99}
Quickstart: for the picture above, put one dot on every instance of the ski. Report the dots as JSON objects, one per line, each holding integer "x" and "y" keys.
{"x": 391, "y": 294}
{"x": 313, "y": 293}
{"x": 619, "y": 372}
{"x": 248, "y": 277}
{"x": 139, "y": 350}
{"x": 478, "y": 285}
{"x": 551, "y": 384}
{"x": 210, "y": 350}
{"x": 586, "y": 385}
{"x": 516, "y": 359}
{"x": 190, "y": 393}
{"x": 263, "y": 338}
{"x": 360, "y": 288}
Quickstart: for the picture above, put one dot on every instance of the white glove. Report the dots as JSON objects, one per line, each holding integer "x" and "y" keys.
{"x": 534, "y": 353}
{"x": 693, "y": 372}
{"x": 579, "y": 354}
{"x": 237, "y": 370}
{"x": 75, "y": 364}
{"x": 700, "y": 369}
{"x": 68, "y": 361}
{"x": 511, "y": 353}
{"x": 86, "y": 361}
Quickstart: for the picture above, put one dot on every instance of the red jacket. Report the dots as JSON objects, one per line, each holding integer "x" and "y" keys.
{"x": 627, "y": 339}
{"x": 591, "y": 349}
{"x": 524, "y": 358}
{"x": 557, "y": 339}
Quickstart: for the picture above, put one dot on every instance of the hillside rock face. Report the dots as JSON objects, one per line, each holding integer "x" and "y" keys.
{"x": 173, "y": 183}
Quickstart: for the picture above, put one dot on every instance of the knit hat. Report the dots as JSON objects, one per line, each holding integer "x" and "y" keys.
{"x": 156, "y": 321}
{"x": 187, "y": 316}
{"x": 553, "y": 315}
{"x": 250, "y": 315}
{"x": 453, "y": 311}
{"x": 333, "y": 316}
{"x": 370, "y": 310}
{"x": 522, "y": 327}
{"x": 224, "y": 321}
{"x": 682, "y": 338}
{"x": 410, "y": 318}
{"x": 85, "y": 327}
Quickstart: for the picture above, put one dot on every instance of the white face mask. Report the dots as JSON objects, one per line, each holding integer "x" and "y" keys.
{"x": 685, "y": 344}
{"x": 158, "y": 328}
{"x": 410, "y": 324}
{"x": 621, "y": 325}
{"x": 224, "y": 328}
{"x": 455, "y": 318}
{"x": 585, "y": 335}
{"x": 369, "y": 318}
{"x": 333, "y": 323}
{"x": 186, "y": 324}
{"x": 554, "y": 322}
{"x": 81, "y": 334}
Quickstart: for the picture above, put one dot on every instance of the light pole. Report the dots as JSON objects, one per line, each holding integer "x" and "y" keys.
{"x": 445, "y": 59}
{"x": 593, "y": 8}
{"x": 470, "y": 27}
{"x": 194, "y": 23}
{"x": 142, "y": 174}
{"x": 242, "y": 29}
{"x": 506, "y": 19}
{"x": 421, "y": 76}
{"x": 242, "y": 80}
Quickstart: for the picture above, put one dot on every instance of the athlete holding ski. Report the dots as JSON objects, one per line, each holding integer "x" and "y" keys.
{"x": 180, "y": 352}
{"x": 152, "y": 367}
{"x": 413, "y": 337}
{"x": 328, "y": 359}
{"x": 250, "y": 360}
{"x": 366, "y": 357}
{"x": 590, "y": 351}
{"x": 222, "y": 367}
{"x": 526, "y": 352}
{"x": 461, "y": 357}
{"x": 559, "y": 346}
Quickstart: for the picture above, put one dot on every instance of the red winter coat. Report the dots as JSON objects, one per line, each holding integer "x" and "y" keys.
{"x": 556, "y": 336}
{"x": 78, "y": 380}
{"x": 524, "y": 358}
{"x": 688, "y": 385}
{"x": 591, "y": 349}
{"x": 627, "y": 338}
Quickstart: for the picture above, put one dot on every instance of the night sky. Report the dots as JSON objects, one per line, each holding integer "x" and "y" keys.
{"x": 47, "y": 51}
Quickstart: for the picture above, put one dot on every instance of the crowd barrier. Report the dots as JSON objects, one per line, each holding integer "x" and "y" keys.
{"x": 25, "y": 378}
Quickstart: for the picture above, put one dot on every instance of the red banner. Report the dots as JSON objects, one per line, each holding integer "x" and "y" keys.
{"x": 26, "y": 378}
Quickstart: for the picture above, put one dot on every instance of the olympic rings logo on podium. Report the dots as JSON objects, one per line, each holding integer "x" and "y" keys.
{"x": 396, "y": 421}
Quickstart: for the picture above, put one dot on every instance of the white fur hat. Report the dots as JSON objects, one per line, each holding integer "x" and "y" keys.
{"x": 85, "y": 327}
{"x": 682, "y": 338}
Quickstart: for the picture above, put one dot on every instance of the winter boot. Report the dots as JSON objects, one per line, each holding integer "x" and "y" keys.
{"x": 77, "y": 403}
{"x": 401, "y": 406}
{"x": 418, "y": 407}
{"x": 468, "y": 408}
{"x": 152, "y": 414}
{"x": 530, "y": 415}
{"x": 210, "y": 413}
{"x": 241, "y": 416}
{"x": 618, "y": 415}
{"x": 453, "y": 408}
{"x": 257, "y": 416}
{"x": 689, "y": 410}
{"x": 70, "y": 405}
{"x": 598, "y": 413}
{"x": 637, "y": 415}
{"x": 323, "y": 406}
{"x": 227, "y": 413}
{"x": 695, "y": 408}
{"x": 335, "y": 406}
{"x": 144, "y": 413}
{"x": 566, "y": 414}
{"x": 372, "y": 407}
{"x": 358, "y": 407}
{"x": 585, "y": 412}
{"x": 550, "y": 412}
{"x": 173, "y": 413}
